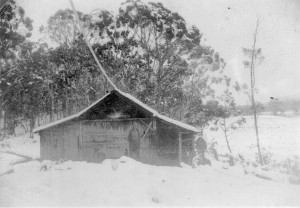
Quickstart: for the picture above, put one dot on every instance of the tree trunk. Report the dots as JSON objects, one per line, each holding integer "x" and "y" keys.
{"x": 226, "y": 136}
{"x": 227, "y": 142}
{"x": 31, "y": 124}
{"x": 39, "y": 119}
{"x": 1, "y": 114}
{"x": 2, "y": 118}
{"x": 52, "y": 110}
{"x": 252, "y": 76}
{"x": 11, "y": 125}
{"x": 52, "y": 104}
{"x": 256, "y": 131}
{"x": 158, "y": 88}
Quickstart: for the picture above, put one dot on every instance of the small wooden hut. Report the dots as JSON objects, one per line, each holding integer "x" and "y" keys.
{"x": 115, "y": 125}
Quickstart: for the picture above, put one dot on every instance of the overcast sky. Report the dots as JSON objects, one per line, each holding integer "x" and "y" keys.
{"x": 227, "y": 25}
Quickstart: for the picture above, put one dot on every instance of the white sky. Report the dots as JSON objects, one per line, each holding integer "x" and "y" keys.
{"x": 227, "y": 25}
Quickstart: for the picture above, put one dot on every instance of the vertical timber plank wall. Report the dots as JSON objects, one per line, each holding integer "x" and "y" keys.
{"x": 60, "y": 142}
{"x": 109, "y": 138}
{"x": 179, "y": 148}
{"x": 80, "y": 140}
{"x": 73, "y": 132}
{"x": 43, "y": 145}
{"x": 67, "y": 143}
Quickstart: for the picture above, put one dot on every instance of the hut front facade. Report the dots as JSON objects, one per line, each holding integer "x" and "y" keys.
{"x": 116, "y": 125}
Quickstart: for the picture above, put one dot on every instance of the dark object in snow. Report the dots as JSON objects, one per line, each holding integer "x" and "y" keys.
{"x": 200, "y": 158}
{"x": 231, "y": 161}
{"x": 262, "y": 177}
{"x": 206, "y": 161}
{"x": 155, "y": 200}
{"x": 272, "y": 98}
{"x": 45, "y": 167}
{"x": 201, "y": 145}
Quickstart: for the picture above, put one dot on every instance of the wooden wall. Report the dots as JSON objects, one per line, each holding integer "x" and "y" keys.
{"x": 109, "y": 139}
{"x": 96, "y": 140}
{"x": 61, "y": 142}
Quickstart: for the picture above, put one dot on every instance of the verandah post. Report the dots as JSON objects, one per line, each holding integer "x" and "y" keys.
{"x": 180, "y": 148}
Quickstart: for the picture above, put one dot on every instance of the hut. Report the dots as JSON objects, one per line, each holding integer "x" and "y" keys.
{"x": 115, "y": 125}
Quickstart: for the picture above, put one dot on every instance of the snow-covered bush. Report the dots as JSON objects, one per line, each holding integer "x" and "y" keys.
{"x": 200, "y": 149}
{"x": 266, "y": 156}
{"x": 293, "y": 168}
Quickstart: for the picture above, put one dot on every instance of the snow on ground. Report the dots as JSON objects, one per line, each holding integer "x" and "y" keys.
{"x": 17, "y": 149}
{"x": 279, "y": 135}
{"x": 127, "y": 182}
{"x": 22, "y": 145}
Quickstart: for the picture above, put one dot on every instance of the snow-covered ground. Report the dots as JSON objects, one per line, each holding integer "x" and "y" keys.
{"x": 279, "y": 135}
{"x": 25, "y": 181}
{"x": 127, "y": 182}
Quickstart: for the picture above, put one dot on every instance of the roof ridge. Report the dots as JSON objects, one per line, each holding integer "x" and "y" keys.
{"x": 130, "y": 97}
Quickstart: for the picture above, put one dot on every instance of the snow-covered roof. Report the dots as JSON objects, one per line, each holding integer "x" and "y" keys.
{"x": 130, "y": 97}
{"x": 178, "y": 123}
{"x": 68, "y": 118}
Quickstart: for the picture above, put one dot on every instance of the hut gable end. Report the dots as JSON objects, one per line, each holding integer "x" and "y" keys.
{"x": 115, "y": 106}
{"x": 118, "y": 105}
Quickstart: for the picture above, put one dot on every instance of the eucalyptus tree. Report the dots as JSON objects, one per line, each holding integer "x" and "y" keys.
{"x": 15, "y": 27}
{"x": 149, "y": 49}
{"x": 62, "y": 27}
{"x": 254, "y": 58}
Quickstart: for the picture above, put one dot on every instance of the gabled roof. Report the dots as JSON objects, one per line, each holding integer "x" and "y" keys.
{"x": 128, "y": 96}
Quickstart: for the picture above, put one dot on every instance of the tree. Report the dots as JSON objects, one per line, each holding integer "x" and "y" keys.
{"x": 12, "y": 19}
{"x": 163, "y": 37}
{"x": 147, "y": 51}
{"x": 160, "y": 39}
{"x": 62, "y": 27}
{"x": 205, "y": 74}
{"x": 25, "y": 85}
{"x": 253, "y": 59}
{"x": 14, "y": 29}
{"x": 229, "y": 109}
{"x": 78, "y": 81}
